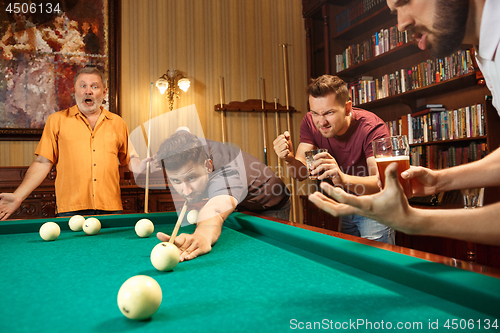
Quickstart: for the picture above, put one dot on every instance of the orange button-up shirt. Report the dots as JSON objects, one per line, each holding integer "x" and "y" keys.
{"x": 86, "y": 159}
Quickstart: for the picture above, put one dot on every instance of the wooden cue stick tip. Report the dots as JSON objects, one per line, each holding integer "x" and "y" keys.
{"x": 178, "y": 224}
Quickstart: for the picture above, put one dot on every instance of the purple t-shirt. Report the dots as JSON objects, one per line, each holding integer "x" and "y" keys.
{"x": 351, "y": 149}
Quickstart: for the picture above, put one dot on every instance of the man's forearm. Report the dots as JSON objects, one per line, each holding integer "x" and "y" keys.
{"x": 296, "y": 169}
{"x": 455, "y": 223}
{"x": 472, "y": 175}
{"x": 212, "y": 216}
{"x": 210, "y": 229}
{"x": 34, "y": 176}
{"x": 134, "y": 165}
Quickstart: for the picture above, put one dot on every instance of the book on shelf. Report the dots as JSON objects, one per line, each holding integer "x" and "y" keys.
{"x": 357, "y": 11}
{"x": 417, "y": 76}
{"x": 441, "y": 157}
{"x": 438, "y": 124}
{"x": 362, "y": 90}
{"x": 380, "y": 42}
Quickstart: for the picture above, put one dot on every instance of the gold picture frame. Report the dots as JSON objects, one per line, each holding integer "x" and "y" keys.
{"x": 41, "y": 49}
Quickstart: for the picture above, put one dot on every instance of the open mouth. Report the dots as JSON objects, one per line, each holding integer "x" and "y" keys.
{"x": 421, "y": 40}
{"x": 88, "y": 101}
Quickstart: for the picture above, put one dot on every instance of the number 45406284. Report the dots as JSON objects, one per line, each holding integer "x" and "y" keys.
{"x": 32, "y": 8}
{"x": 461, "y": 324}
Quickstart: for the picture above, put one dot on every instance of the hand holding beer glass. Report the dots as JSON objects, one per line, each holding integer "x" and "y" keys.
{"x": 393, "y": 149}
{"x": 310, "y": 160}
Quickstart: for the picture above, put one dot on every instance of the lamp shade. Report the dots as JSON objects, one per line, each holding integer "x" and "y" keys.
{"x": 162, "y": 85}
{"x": 184, "y": 84}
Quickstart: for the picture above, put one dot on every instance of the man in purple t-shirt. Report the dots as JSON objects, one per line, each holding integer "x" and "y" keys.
{"x": 346, "y": 133}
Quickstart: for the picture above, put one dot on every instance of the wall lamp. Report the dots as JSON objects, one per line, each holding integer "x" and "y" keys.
{"x": 168, "y": 83}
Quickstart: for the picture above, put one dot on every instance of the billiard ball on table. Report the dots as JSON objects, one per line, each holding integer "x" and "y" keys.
{"x": 91, "y": 226}
{"x": 165, "y": 256}
{"x": 192, "y": 216}
{"x": 144, "y": 228}
{"x": 139, "y": 297}
{"x": 49, "y": 231}
{"x": 76, "y": 222}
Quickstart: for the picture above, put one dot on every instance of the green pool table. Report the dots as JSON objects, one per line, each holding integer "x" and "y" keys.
{"x": 261, "y": 276}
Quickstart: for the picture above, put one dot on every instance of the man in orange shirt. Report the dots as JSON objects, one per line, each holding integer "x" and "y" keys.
{"x": 88, "y": 144}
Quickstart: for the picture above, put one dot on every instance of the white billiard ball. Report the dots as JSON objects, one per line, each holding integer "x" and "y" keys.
{"x": 192, "y": 216}
{"x": 76, "y": 222}
{"x": 165, "y": 256}
{"x": 139, "y": 297}
{"x": 91, "y": 226}
{"x": 49, "y": 231}
{"x": 144, "y": 228}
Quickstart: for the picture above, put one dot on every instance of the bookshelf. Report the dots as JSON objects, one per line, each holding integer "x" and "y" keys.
{"x": 339, "y": 48}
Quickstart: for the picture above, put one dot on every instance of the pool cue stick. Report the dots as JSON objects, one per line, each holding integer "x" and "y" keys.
{"x": 276, "y": 120}
{"x": 146, "y": 199}
{"x": 263, "y": 119}
{"x": 222, "y": 113}
{"x": 287, "y": 99}
{"x": 178, "y": 224}
{"x": 285, "y": 64}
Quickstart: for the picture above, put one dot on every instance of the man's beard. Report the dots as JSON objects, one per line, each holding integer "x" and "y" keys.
{"x": 196, "y": 197}
{"x": 451, "y": 21}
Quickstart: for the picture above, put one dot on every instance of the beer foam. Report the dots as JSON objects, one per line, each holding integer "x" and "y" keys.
{"x": 392, "y": 158}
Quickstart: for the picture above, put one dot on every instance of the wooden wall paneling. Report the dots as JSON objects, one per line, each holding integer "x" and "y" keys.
{"x": 239, "y": 47}
{"x": 41, "y": 202}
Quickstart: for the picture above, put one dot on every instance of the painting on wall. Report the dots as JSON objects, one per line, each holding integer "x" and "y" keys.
{"x": 43, "y": 45}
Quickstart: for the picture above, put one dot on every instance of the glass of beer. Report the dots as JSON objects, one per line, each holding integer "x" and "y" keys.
{"x": 393, "y": 149}
{"x": 473, "y": 197}
{"x": 310, "y": 160}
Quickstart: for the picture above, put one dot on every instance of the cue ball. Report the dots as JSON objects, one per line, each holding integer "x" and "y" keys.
{"x": 144, "y": 228}
{"x": 76, "y": 222}
{"x": 165, "y": 256}
{"x": 139, "y": 297}
{"x": 91, "y": 226}
{"x": 49, "y": 231}
{"x": 192, "y": 216}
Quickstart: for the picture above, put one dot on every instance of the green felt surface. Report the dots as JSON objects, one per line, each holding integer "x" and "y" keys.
{"x": 261, "y": 276}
